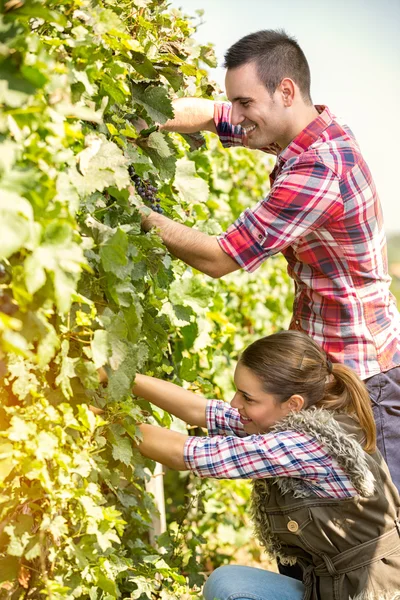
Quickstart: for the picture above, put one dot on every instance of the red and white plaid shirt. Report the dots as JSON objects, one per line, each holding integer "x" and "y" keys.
{"x": 323, "y": 213}
{"x": 229, "y": 453}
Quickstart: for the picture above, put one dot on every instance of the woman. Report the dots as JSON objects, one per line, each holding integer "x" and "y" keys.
{"x": 322, "y": 498}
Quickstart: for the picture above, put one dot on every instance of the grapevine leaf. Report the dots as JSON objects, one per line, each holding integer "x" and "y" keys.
{"x": 189, "y": 291}
{"x": 143, "y": 65}
{"x": 16, "y": 215}
{"x": 122, "y": 450}
{"x": 100, "y": 347}
{"x": 174, "y": 77}
{"x": 102, "y": 165}
{"x": 155, "y": 101}
{"x": 191, "y": 188}
{"x": 113, "y": 252}
{"x": 188, "y": 370}
{"x": 156, "y": 142}
{"x": 165, "y": 165}
{"x": 9, "y": 567}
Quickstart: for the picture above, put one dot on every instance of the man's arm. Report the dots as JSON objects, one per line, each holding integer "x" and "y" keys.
{"x": 191, "y": 115}
{"x": 195, "y": 248}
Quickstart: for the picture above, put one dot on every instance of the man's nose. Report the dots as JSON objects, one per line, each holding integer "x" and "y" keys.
{"x": 237, "y": 116}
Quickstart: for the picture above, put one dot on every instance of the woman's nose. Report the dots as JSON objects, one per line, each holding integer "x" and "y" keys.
{"x": 235, "y": 402}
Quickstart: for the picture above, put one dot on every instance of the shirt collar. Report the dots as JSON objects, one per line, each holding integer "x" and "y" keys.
{"x": 308, "y": 135}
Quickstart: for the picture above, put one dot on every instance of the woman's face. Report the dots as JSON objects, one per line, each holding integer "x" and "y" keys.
{"x": 258, "y": 410}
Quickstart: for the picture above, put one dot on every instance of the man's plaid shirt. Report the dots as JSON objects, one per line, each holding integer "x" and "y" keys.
{"x": 229, "y": 453}
{"x": 323, "y": 213}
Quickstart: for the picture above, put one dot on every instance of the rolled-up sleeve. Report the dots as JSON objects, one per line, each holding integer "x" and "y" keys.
{"x": 282, "y": 454}
{"x": 222, "y": 419}
{"x": 304, "y": 196}
{"x": 228, "y": 134}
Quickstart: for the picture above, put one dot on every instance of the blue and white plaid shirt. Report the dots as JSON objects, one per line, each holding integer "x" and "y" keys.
{"x": 229, "y": 453}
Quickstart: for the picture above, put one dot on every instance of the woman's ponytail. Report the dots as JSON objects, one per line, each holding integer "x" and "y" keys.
{"x": 345, "y": 391}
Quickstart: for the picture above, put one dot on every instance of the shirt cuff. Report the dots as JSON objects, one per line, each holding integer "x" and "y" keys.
{"x": 229, "y": 135}
{"x": 188, "y": 456}
{"x": 245, "y": 240}
{"x": 211, "y": 425}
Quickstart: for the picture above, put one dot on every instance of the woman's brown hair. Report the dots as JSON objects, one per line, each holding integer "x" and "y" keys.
{"x": 290, "y": 362}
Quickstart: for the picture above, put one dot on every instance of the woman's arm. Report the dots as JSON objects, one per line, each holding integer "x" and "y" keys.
{"x": 185, "y": 405}
{"x": 163, "y": 445}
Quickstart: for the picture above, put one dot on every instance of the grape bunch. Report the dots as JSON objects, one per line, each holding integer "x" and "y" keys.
{"x": 147, "y": 192}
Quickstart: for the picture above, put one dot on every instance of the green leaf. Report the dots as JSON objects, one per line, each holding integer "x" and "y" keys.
{"x": 189, "y": 291}
{"x": 113, "y": 252}
{"x": 143, "y": 65}
{"x": 107, "y": 585}
{"x": 122, "y": 450}
{"x": 67, "y": 370}
{"x": 33, "y": 548}
{"x": 86, "y": 417}
{"x": 102, "y": 164}
{"x": 156, "y": 141}
{"x": 174, "y": 77}
{"x": 6, "y": 466}
{"x": 63, "y": 263}
{"x": 16, "y": 217}
{"x": 9, "y": 568}
{"x": 188, "y": 369}
{"x": 100, "y": 346}
{"x": 191, "y": 188}
{"x": 87, "y": 373}
{"x": 37, "y": 11}
{"x": 165, "y": 165}
{"x": 17, "y": 543}
{"x": 155, "y": 101}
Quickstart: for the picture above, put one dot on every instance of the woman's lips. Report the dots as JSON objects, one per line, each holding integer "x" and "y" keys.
{"x": 244, "y": 420}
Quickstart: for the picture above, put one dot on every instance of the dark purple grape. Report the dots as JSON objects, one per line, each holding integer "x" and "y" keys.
{"x": 7, "y": 307}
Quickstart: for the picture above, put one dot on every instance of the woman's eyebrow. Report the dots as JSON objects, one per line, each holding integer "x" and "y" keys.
{"x": 244, "y": 392}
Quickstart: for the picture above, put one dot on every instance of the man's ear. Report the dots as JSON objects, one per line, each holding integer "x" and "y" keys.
{"x": 287, "y": 90}
{"x": 295, "y": 403}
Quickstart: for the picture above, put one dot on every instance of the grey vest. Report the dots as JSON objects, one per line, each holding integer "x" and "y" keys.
{"x": 348, "y": 549}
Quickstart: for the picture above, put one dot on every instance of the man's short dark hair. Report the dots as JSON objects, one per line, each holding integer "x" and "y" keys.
{"x": 276, "y": 56}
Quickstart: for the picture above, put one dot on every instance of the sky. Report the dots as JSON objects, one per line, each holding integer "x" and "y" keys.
{"x": 353, "y": 49}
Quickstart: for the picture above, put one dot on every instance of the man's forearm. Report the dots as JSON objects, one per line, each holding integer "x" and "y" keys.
{"x": 183, "y": 404}
{"x": 195, "y": 248}
{"x": 191, "y": 115}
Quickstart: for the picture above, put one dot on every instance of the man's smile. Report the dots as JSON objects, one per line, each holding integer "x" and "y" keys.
{"x": 249, "y": 129}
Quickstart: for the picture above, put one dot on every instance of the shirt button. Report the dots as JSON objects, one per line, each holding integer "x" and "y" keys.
{"x": 260, "y": 237}
{"x": 293, "y": 526}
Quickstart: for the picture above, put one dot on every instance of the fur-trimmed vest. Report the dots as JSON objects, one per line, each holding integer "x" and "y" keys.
{"x": 348, "y": 549}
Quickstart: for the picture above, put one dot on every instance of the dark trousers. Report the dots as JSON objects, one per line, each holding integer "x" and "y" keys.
{"x": 384, "y": 390}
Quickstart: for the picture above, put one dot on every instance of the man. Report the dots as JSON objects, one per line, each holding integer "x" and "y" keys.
{"x": 323, "y": 213}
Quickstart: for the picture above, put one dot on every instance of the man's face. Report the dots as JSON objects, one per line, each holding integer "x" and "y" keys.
{"x": 261, "y": 116}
